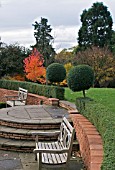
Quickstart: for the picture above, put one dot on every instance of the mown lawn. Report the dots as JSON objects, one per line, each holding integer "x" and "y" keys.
{"x": 105, "y": 96}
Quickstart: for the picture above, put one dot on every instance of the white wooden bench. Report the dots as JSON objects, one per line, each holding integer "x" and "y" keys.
{"x": 55, "y": 154}
{"x": 17, "y": 100}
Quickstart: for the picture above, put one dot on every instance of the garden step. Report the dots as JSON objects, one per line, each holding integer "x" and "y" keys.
{"x": 17, "y": 124}
{"x": 28, "y": 125}
{"x": 23, "y": 145}
{"x": 23, "y": 134}
{"x": 16, "y": 145}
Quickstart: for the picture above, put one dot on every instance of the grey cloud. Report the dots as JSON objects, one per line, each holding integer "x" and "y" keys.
{"x": 22, "y": 13}
{"x": 63, "y": 16}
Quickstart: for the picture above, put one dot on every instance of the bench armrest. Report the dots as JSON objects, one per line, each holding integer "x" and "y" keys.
{"x": 46, "y": 133}
{"x": 16, "y": 100}
{"x": 59, "y": 151}
{"x": 11, "y": 96}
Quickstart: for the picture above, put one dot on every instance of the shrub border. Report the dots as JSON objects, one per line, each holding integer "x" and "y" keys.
{"x": 104, "y": 121}
{"x": 42, "y": 90}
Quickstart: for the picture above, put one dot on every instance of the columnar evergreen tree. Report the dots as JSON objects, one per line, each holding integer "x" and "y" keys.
{"x": 96, "y": 27}
{"x": 44, "y": 40}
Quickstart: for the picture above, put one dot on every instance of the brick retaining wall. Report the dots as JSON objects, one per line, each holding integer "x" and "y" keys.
{"x": 90, "y": 142}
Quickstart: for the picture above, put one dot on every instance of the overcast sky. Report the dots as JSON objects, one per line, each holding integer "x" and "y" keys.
{"x": 17, "y": 17}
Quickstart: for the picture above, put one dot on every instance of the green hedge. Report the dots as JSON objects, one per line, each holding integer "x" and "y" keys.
{"x": 2, "y": 105}
{"x": 43, "y": 90}
{"x": 104, "y": 121}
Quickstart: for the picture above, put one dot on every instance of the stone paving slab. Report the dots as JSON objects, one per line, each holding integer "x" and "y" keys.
{"x": 33, "y": 114}
{"x": 26, "y": 161}
{"x": 16, "y": 143}
{"x": 3, "y": 141}
{"x": 67, "y": 103}
{"x": 10, "y": 161}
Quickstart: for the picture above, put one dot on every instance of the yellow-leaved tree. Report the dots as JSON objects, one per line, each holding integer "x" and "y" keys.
{"x": 67, "y": 66}
{"x": 101, "y": 60}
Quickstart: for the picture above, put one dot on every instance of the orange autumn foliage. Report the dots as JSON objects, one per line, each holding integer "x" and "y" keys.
{"x": 18, "y": 77}
{"x": 33, "y": 67}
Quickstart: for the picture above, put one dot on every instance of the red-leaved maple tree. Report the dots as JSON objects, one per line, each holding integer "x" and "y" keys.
{"x": 33, "y": 67}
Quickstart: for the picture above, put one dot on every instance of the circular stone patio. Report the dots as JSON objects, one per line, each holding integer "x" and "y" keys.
{"x": 33, "y": 114}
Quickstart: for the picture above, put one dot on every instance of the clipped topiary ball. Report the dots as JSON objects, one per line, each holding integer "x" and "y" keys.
{"x": 80, "y": 78}
{"x": 55, "y": 72}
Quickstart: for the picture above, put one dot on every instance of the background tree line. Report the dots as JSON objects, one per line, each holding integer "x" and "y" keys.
{"x": 96, "y": 47}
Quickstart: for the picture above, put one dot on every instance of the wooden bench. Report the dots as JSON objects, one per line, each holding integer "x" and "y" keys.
{"x": 55, "y": 154}
{"x": 17, "y": 100}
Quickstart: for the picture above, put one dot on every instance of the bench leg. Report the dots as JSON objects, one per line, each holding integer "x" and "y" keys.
{"x": 35, "y": 157}
{"x": 39, "y": 159}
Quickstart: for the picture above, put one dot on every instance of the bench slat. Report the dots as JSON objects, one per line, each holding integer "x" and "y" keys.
{"x": 49, "y": 157}
{"x": 56, "y": 153}
{"x": 60, "y": 158}
{"x": 52, "y": 146}
{"x": 48, "y": 154}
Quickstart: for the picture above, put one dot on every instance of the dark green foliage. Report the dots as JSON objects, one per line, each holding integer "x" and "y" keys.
{"x": 11, "y": 59}
{"x": 80, "y": 78}
{"x": 96, "y": 29}
{"x": 104, "y": 121}
{"x": 44, "y": 40}
{"x": 43, "y": 90}
{"x": 55, "y": 72}
{"x": 2, "y": 105}
{"x": 111, "y": 83}
{"x": 112, "y": 43}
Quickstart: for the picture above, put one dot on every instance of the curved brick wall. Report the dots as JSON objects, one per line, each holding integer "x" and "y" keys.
{"x": 90, "y": 141}
{"x": 91, "y": 146}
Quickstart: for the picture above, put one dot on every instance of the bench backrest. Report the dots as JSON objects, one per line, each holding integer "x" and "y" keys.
{"x": 22, "y": 94}
{"x": 66, "y": 136}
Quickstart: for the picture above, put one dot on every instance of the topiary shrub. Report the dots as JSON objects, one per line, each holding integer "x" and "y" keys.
{"x": 55, "y": 73}
{"x": 80, "y": 78}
